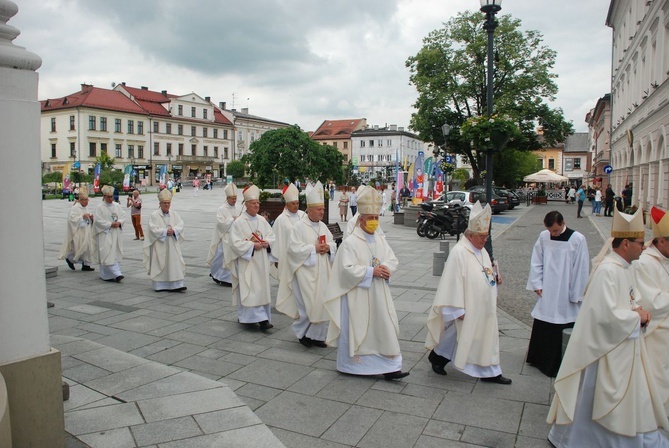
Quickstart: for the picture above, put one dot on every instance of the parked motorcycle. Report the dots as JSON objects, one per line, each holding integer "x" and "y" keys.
{"x": 451, "y": 220}
{"x": 425, "y": 217}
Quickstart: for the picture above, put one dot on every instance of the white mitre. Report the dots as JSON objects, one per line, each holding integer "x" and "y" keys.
{"x": 230, "y": 190}
{"x": 627, "y": 226}
{"x": 290, "y": 193}
{"x": 369, "y": 201}
{"x": 165, "y": 195}
{"x": 479, "y": 218}
{"x": 315, "y": 195}
{"x": 251, "y": 193}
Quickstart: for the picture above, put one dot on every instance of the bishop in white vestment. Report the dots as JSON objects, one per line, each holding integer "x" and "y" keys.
{"x": 162, "y": 250}
{"x": 605, "y": 395}
{"x": 363, "y": 321}
{"x": 310, "y": 251}
{"x": 250, "y": 239}
{"x": 108, "y": 218}
{"x": 226, "y": 215}
{"x": 77, "y": 245}
{"x": 462, "y": 324}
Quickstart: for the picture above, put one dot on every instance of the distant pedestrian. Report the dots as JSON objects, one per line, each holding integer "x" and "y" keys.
{"x": 580, "y": 195}
{"x": 598, "y": 201}
{"x": 332, "y": 191}
{"x": 353, "y": 202}
{"x": 608, "y": 201}
{"x": 135, "y": 202}
{"x": 572, "y": 195}
{"x": 627, "y": 196}
{"x": 196, "y": 186}
{"x": 343, "y": 206}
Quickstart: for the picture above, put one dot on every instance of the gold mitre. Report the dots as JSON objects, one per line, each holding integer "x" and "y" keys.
{"x": 315, "y": 196}
{"x": 479, "y": 218}
{"x": 165, "y": 196}
{"x": 251, "y": 193}
{"x": 290, "y": 193}
{"x": 230, "y": 190}
{"x": 660, "y": 220}
{"x": 107, "y": 190}
{"x": 627, "y": 226}
{"x": 369, "y": 201}
{"x": 83, "y": 192}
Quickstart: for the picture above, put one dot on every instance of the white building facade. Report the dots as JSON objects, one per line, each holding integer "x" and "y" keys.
{"x": 640, "y": 100}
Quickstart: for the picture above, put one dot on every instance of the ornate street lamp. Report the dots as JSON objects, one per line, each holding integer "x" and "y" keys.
{"x": 489, "y": 8}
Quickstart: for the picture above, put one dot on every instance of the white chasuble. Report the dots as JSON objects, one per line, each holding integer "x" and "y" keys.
{"x": 78, "y": 235}
{"x": 107, "y": 240}
{"x": 162, "y": 252}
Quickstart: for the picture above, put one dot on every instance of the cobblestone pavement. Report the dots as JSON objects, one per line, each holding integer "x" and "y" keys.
{"x": 140, "y": 361}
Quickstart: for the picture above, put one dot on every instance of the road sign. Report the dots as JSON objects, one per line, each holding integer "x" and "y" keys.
{"x": 449, "y": 158}
{"x": 608, "y": 169}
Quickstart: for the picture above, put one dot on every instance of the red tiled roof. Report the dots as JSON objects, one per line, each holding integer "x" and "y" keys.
{"x": 336, "y": 129}
{"x": 220, "y": 118}
{"x": 148, "y": 95}
{"x": 96, "y": 98}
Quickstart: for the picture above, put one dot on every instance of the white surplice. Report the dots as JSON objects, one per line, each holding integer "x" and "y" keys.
{"x": 363, "y": 321}
{"x": 225, "y": 216}
{"x": 77, "y": 245}
{"x": 250, "y": 268}
{"x": 604, "y": 392}
{"x": 162, "y": 252}
{"x": 107, "y": 240}
{"x": 465, "y": 288}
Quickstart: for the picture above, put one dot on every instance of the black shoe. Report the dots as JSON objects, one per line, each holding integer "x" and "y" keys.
{"x": 499, "y": 379}
{"x": 87, "y": 268}
{"x": 265, "y": 325}
{"x": 395, "y": 375}
{"x": 438, "y": 363}
{"x": 70, "y": 264}
{"x": 182, "y": 289}
{"x": 218, "y": 282}
{"x": 305, "y": 341}
{"x": 119, "y": 278}
{"x": 226, "y": 284}
{"x": 320, "y": 344}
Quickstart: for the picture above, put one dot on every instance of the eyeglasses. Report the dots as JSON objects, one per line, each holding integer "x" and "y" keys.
{"x": 642, "y": 242}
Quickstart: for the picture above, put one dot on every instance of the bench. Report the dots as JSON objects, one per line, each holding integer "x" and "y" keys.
{"x": 337, "y": 234}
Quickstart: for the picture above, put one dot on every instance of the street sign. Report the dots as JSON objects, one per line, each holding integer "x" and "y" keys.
{"x": 608, "y": 169}
{"x": 449, "y": 159}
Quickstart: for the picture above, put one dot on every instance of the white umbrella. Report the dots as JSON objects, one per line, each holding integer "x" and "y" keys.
{"x": 547, "y": 176}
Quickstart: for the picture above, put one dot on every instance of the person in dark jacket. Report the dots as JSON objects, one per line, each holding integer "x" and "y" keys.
{"x": 608, "y": 201}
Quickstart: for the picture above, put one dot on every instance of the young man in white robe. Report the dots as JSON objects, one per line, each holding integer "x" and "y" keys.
{"x": 162, "y": 250}
{"x": 462, "y": 324}
{"x": 225, "y": 216}
{"x": 363, "y": 321}
{"x": 651, "y": 272}
{"x": 250, "y": 242}
{"x": 77, "y": 245}
{"x": 309, "y": 254}
{"x": 559, "y": 270}
{"x": 605, "y": 393}
{"x": 284, "y": 224}
{"x": 108, "y": 218}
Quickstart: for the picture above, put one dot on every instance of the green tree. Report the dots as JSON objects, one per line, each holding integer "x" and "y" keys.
{"x": 105, "y": 161}
{"x": 512, "y": 165}
{"x": 55, "y": 176}
{"x": 111, "y": 177}
{"x": 449, "y": 73}
{"x": 236, "y": 169}
{"x": 289, "y": 153}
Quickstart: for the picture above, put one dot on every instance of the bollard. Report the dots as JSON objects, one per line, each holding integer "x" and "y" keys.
{"x": 566, "y": 334}
{"x": 438, "y": 263}
{"x": 398, "y": 218}
{"x": 445, "y": 247}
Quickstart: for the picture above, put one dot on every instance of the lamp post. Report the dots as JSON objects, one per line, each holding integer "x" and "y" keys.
{"x": 445, "y": 130}
{"x": 489, "y": 8}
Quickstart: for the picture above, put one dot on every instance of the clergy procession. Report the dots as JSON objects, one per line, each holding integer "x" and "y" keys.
{"x": 611, "y": 387}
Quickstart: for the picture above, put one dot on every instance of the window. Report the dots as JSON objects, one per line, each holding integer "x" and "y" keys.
{"x": 53, "y": 150}
{"x": 204, "y": 132}
{"x": 180, "y": 129}
{"x": 225, "y": 153}
{"x": 192, "y": 131}
{"x": 204, "y": 113}
{"x": 225, "y": 134}
{"x": 156, "y": 149}
{"x": 362, "y": 157}
{"x": 216, "y": 152}
{"x": 169, "y": 149}
{"x": 117, "y": 125}
{"x": 140, "y": 127}
{"x": 362, "y": 143}
{"x": 92, "y": 149}
{"x": 334, "y": 144}
{"x": 345, "y": 145}
{"x": 380, "y": 143}
{"x": 140, "y": 151}
{"x": 215, "y": 133}
{"x": 91, "y": 122}
{"x": 131, "y": 126}
{"x": 389, "y": 143}
{"x": 345, "y": 157}
{"x": 131, "y": 151}
{"x": 371, "y": 143}
{"x": 103, "y": 124}
{"x": 73, "y": 150}
{"x": 72, "y": 123}
{"x": 53, "y": 124}
{"x": 193, "y": 150}
{"x": 180, "y": 108}
{"x": 181, "y": 149}
{"x": 569, "y": 164}
{"x": 577, "y": 163}
{"x": 155, "y": 127}
{"x": 118, "y": 150}
{"x": 205, "y": 149}
{"x": 103, "y": 148}
{"x": 168, "y": 128}
{"x": 551, "y": 163}
{"x": 240, "y": 137}
{"x": 192, "y": 112}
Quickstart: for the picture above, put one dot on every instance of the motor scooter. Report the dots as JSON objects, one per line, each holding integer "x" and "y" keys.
{"x": 451, "y": 220}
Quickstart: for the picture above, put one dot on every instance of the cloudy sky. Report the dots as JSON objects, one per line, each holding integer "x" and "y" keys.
{"x": 296, "y": 61}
